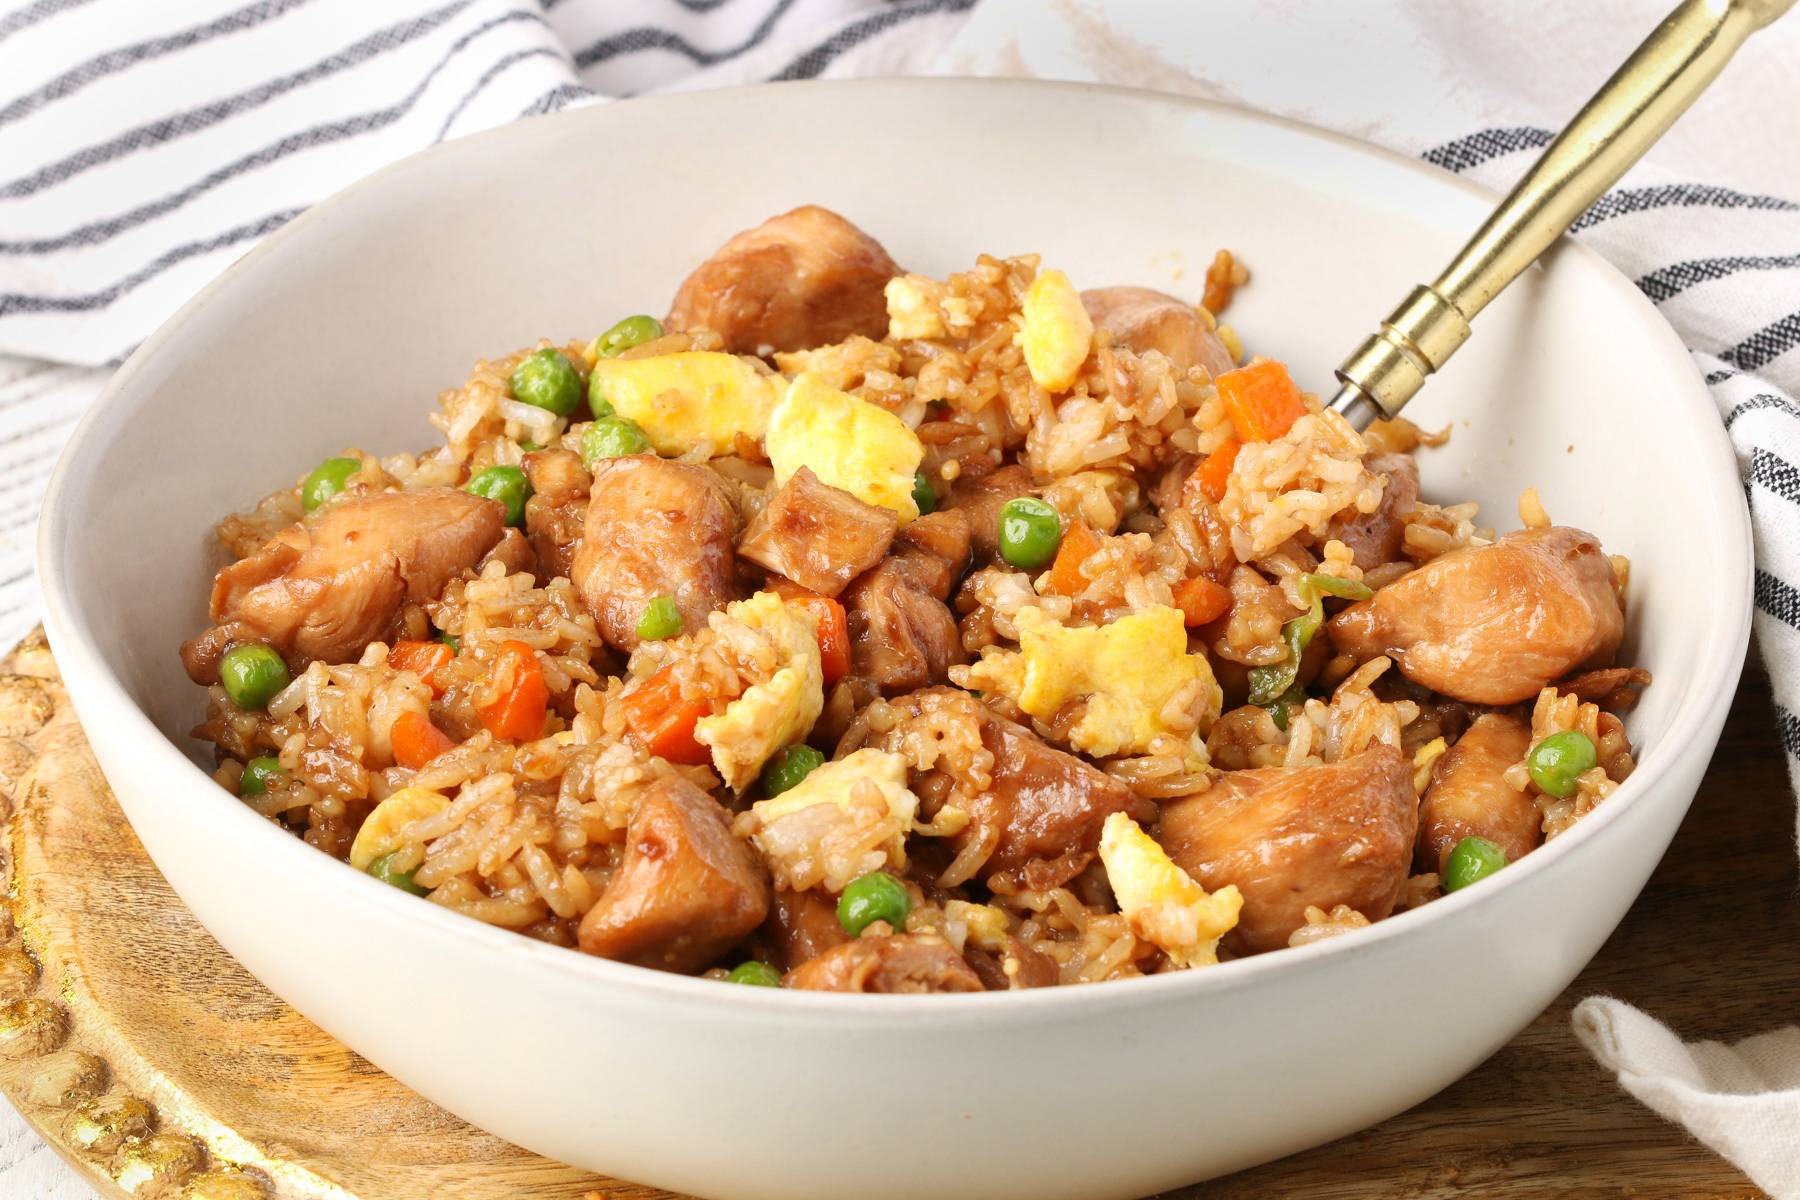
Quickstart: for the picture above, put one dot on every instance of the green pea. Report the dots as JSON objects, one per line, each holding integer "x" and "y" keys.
{"x": 547, "y": 380}
{"x": 611, "y": 437}
{"x": 877, "y": 896}
{"x": 1030, "y": 532}
{"x": 327, "y": 480}
{"x": 252, "y": 674}
{"x": 452, "y": 641}
{"x": 790, "y": 765}
{"x": 383, "y": 869}
{"x": 257, "y": 773}
{"x": 508, "y": 485}
{"x": 756, "y": 974}
{"x": 632, "y": 331}
{"x": 661, "y": 619}
{"x": 923, "y": 495}
{"x": 1558, "y": 762}
{"x": 1474, "y": 858}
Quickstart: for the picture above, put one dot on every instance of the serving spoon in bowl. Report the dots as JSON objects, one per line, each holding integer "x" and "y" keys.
{"x": 1612, "y": 131}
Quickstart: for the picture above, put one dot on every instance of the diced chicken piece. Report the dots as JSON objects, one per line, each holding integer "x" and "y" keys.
{"x": 1613, "y": 688}
{"x": 820, "y": 537}
{"x": 687, "y": 890}
{"x": 1293, "y": 837}
{"x": 902, "y": 635}
{"x": 325, "y": 589}
{"x": 1044, "y": 810}
{"x": 1375, "y": 538}
{"x": 1469, "y": 795}
{"x": 805, "y": 278}
{"x": 802, "y": 926}
{"x": 980, "y": 501}
{"x": 557, "y": 511}
{"x": 1015, "y": 968}
{"x": 1144, "y": 319}
{"x": 512, "y": 552}
{"x": 655, "y": 528}
{"x": 906, "y": 963}
{"x": 1494, "y": 624}
{"x": 933, "y": 551}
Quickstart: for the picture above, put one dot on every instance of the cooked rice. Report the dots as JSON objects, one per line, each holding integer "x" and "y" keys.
{"x": 533, "y": 832}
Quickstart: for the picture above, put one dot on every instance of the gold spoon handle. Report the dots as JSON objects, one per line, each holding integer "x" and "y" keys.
{"x": 1642, "y": 99}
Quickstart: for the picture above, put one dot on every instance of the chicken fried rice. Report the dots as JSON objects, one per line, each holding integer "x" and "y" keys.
{"x": 849, "y": 629}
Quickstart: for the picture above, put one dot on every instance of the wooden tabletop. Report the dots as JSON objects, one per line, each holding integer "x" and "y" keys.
{"x": 153, "y": 1061}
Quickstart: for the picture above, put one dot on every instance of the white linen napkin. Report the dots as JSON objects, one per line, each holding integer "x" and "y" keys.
{"x": 145, "y": 146}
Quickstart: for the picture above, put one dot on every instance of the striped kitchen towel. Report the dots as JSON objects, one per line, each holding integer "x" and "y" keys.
{"x": 144, "y": 144}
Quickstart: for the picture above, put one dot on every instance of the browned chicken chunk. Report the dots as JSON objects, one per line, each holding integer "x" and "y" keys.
{"x": 1469, "y": 795}
{"x": 934, "y": 550}
{"x": 1043, "y": 811}
{"x": 512, "y": 552}
{"x": 902, "y": 635}
{"x": 687, "y": 889}
{"x": 324, "y": 589}
{"x": 1375, "y": 538}
{"x": 980, "y": 501}
{"x": 803, "y": 279}
{"x": 1494, "y": 624}
{"x": 655, "y": 528}
{"x": 1015, "y": 968}
{"x": 802, "y": 926}
{"x": 557, "y": 511}
{"x": 1144, "y": 319}
{"x": 1290, "y": 837}
{"x": 819, "y": 536}
{"x": 908, "y": 962}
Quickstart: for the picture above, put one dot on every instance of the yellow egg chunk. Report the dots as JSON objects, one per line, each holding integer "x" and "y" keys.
{"x": 1058, "y": 332}
{"x": 1162, "y": 902}
{"x": 847, "y": 442}
{"x": 912, "y": 306}
{"x": 696, "y": 397}
{"x": 380, "y": 832}
{"x": 1127, "y": 671}
{"x": 845, "y": 819}
{"x": 777, "y": 712}
{"x": 835, "y": 782}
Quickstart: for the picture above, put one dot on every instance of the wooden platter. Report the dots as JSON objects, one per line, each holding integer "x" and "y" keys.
{"x": 146, "y": 1056}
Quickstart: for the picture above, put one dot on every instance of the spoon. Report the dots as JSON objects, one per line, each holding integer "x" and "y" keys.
{"x": 1625, "y": 117}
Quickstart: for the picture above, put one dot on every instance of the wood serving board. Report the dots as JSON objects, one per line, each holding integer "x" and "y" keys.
{"x": 146, "y": 1056}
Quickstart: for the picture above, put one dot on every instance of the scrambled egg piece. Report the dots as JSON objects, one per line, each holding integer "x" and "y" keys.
{"x": 912, "y": 305}
{"x": 684, "y": 400}
{"x": 775, "y": 713}
{"x": 1127, "y": 671}
{"x": 848, "y": 443}
{"x": 1058, "y": 332}
{"x": 847, "y": 818}
{"x": 380, "y": 832}
{"x": 1162, "y": 902}
{"x": 986, "y": 925}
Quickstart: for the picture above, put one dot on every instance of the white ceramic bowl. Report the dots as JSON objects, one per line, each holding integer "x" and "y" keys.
{"x": 340, "y": 330}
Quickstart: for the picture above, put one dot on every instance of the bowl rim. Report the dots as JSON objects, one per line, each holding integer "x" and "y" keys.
{"x": 1707, "y": 691}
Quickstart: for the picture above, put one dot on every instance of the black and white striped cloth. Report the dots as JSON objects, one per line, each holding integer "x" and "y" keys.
{"x": 144, "y": 144}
